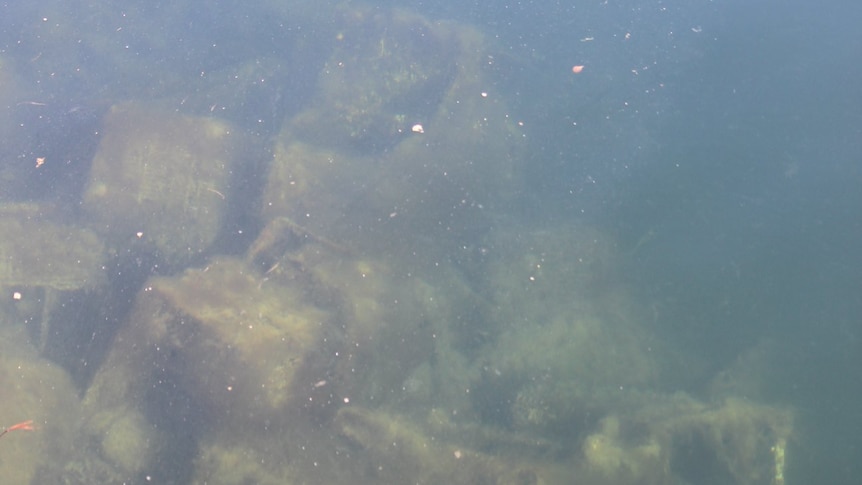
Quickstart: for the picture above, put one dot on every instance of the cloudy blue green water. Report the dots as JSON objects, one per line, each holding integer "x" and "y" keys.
{"x": 561, "y": 258}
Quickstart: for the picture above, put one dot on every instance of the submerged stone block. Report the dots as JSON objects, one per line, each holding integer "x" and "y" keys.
{"x": 387, "y": 71}
{"x": 161, "y": 177}
{"x": 403, "y": 138}
{"x": 42, "y": 253}
{"x": 218, "y": 348}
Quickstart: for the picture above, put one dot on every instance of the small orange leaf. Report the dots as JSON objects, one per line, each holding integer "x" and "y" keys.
{"x": 25, "y": 426}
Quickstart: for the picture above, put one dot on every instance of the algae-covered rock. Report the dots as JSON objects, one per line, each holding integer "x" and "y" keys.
{"x": 384, "y": 315}
{"x": 38, "y": 391}
{"x": 38, "y": 252}
{"x": 402, "y": 142}
{"x": 241, "y": 348}
{"x": 562, "y": 339}
{"x": 219, "y": 463}
{"x": 560, "y": 377}
{"x": 161, "y": 177}
{"x": 388, "y": 71}
{"x": 735, "y": 438}
{"x": 399, "y": 451}
{"x": 44, "y": 265}
{"x": 215, "y": 351}
{"x": 127, "y": 442}
{"x": 608, "y": 460}
{"x": 676, "y": 439}
{"x": 313, "y": 185}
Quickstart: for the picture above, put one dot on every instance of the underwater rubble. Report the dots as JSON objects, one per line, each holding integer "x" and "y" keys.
{"x": 344, "y": 343}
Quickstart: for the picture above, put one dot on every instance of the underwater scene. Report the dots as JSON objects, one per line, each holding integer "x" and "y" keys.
{"x": 430, "y": 242}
